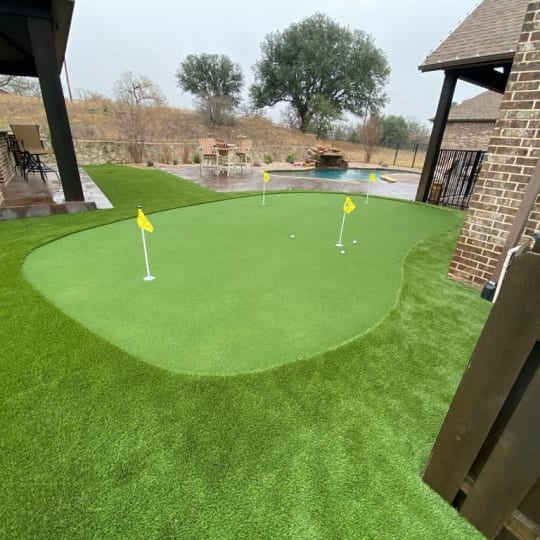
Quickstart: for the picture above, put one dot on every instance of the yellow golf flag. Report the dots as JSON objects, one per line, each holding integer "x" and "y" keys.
{"x": 372, "y": 177}
{"x": 348, "y": 205}
{"x": 266, "y": 176}
{"x": 142, "y": 221}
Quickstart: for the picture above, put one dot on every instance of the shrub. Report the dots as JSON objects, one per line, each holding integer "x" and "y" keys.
{"x": 291, "y": 157}
{"x": 149, "y": 163}
{"x": 175, "y": 161}
{"x": 196, "y": 158}
{"x": 267, "y": 158}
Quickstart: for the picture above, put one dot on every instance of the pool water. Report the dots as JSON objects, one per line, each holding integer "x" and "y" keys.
{"x": 344, "y": 175}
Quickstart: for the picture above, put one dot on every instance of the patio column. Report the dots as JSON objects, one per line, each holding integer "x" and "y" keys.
{"x": 434, "y": 146}
{"x": 43, "y": 48}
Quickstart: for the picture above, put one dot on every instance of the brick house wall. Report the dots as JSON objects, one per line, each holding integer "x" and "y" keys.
{"x": 467, "y": 135}
{"x": 513, "y": 153}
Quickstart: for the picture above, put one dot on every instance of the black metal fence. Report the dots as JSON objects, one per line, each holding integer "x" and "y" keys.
{"x": 455, "y": 177}
{"x": 400, "y": 154}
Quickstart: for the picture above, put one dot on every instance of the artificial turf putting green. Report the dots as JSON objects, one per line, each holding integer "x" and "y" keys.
{"x": 233, "y": 292}
{"x": 96, "y": 444}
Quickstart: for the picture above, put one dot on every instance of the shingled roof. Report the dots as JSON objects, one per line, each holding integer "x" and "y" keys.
{"x": 481, "y": 108}
{"x": 489, "y": 33}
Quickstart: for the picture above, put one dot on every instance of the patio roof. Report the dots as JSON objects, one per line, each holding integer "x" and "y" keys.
{"x": 33, "y": 37}
{"x": 488, "y": 35}
{"x": 16, "y": 54}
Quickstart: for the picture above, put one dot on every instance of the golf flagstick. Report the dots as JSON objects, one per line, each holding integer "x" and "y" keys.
{"x": 348, "y": 207}
{"x": 266, "y": 177}
{"x": 145, "y": 225}
{"x": 372, "y": 178}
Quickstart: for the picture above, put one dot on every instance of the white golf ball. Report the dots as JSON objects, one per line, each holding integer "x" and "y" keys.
{"x": 354, "y": 242}
{"x": 343, "y": 252}
{"x": 292, "y": 236}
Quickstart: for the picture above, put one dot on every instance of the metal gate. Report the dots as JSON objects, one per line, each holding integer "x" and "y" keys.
{"x": 455, "y": 176}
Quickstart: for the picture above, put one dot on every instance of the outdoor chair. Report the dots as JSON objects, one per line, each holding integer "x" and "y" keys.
{"x": 226, "y": 157}
{"x": 17, "y": 154}
{"x": 243, "y": 155}
{"x": 208, "y": 155}
{"x": 29, "y": 143}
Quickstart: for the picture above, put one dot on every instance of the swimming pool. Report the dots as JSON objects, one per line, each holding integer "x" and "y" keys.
{"x": 343, "y": 175}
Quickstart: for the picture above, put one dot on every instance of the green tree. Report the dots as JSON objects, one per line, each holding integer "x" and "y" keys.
{"x": 215, "y": 81}
{"x": 395, "y": 129}
{"x": 418, "y": 131}
{"x": 324, "y": 114}
{"x": 318, "y": 57}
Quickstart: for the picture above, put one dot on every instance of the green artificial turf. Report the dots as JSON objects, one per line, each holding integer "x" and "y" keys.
{"x": 96, "y": 444}
{"x": 234, "y": 292}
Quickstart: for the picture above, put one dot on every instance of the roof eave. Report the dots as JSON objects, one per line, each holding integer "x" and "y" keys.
{"x": 458, "y": 63}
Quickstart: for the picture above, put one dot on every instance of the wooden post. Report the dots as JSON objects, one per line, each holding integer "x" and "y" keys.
{"x": 414, "y": 156}
{"x": 434, "y": 146}
{"x": 48, "y": 69}
{"x": 500, "y": 354}
{"x": 513, "y": 466}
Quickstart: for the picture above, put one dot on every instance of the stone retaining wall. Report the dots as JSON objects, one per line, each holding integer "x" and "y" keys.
{"x": 97, "y": 152}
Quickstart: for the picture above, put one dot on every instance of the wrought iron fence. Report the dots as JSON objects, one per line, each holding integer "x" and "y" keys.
{"x": 455, "y": 177}
{"x": 400, "y": 154}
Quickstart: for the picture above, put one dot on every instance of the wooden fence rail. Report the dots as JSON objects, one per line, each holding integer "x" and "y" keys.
{"x": 486, "y": 459}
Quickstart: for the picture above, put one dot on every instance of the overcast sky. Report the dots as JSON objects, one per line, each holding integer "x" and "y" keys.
{"x": 151, "y": 38}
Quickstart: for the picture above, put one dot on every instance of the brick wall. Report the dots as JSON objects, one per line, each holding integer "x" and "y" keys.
{"x": 467, "y": 135}
{"x": 513, "y": 153}
{"x": 7, "y": 162}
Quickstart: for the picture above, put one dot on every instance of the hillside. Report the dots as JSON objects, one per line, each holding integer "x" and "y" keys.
{"x": 100, "y": 120}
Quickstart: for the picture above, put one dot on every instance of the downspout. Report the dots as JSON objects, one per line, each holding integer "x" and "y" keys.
{"x": 510, "y": 253}
{"x": 506, "y": 264}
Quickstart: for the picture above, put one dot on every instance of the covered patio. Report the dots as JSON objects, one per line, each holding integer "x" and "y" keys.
{"x": 33, "y": 38}
{"x": 479, "y": 51}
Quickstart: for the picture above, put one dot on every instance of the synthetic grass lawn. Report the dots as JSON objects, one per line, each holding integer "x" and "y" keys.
{"x": 234, "y": 292}
{"x": 95, "y": 444}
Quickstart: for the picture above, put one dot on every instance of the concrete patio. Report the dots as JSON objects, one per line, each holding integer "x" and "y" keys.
{"x": 32, "y": 197}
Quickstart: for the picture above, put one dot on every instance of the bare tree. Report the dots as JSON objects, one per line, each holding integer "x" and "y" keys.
{"x": 133, "y": 94}
{"x": 371, "y": 133}
{"x": 84, "y": 94}
{"x": 289, "y": 118}
{"x": 22, "y": 86}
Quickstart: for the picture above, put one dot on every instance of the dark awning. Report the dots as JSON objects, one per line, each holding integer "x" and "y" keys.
{"x": 16, "y": 56}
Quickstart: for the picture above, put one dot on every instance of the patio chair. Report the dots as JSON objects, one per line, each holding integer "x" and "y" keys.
{"x": 208, "y": 155}
{"x": 18, "y": 155}
{"x": 30, "y": 144}
{"x": 243, "y": 155}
